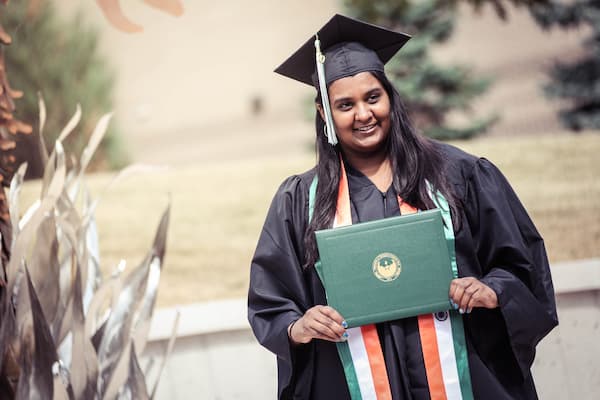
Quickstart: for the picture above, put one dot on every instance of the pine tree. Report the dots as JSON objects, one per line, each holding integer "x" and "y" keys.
{"x": 577, "y": 82}
{"x": 430, "y": 91}
{"x": 499, "y": 6}
{"x": 59, "y": 59}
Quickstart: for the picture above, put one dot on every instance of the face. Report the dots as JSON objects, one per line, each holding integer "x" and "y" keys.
{"x": 361, "y": 112}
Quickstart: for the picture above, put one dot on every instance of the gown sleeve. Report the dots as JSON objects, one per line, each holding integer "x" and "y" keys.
{"x": 278, "y": 294}
{"x": 513, "y": 259}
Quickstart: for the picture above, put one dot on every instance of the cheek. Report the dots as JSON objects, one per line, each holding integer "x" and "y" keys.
{"x": 343, "y": 120}
{"x": 386, "y": 123}
{"x": 383, "y": 114}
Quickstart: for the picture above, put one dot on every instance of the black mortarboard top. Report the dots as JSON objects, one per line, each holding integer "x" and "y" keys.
{"x": 339, "y": 38}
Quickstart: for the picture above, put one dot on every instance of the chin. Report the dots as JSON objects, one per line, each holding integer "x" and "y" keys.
{"x": 371, "y": 149}
{"x": 372, "y": 143}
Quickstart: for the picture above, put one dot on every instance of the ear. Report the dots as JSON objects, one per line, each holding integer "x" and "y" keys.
{"x": 320, "y": 110}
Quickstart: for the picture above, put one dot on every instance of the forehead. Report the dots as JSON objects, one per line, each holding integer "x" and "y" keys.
{"x": 355, "y": 85}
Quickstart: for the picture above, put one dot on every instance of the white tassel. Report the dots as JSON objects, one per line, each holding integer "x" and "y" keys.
{"x": 331, "y": 136}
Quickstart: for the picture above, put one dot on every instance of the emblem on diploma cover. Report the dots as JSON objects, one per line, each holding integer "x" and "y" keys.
{"x": 441, "y": 315}
{"x": 387, "y": 267}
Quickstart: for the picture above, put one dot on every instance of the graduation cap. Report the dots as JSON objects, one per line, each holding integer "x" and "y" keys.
{"x": 349, "y": 47}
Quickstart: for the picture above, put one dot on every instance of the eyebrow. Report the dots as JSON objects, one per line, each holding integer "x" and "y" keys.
{"x": 348, "y": 98}
{"x": 342, "y": 100}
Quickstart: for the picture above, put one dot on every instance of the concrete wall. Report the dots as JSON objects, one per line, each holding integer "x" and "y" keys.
{"x": 217, "y": 357}
{"x": 567, "y": 365}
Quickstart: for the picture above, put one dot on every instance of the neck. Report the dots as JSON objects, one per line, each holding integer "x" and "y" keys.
{"x": 375, "y": 167}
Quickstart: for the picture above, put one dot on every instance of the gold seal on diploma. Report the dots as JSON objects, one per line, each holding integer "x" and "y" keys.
{"x": 386, "y": 267}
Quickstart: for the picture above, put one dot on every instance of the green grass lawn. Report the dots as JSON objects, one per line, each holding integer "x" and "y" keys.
{"x": 218, "y": 209}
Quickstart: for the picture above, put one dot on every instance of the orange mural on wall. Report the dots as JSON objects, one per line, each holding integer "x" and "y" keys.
{"x": 114, "y": 14}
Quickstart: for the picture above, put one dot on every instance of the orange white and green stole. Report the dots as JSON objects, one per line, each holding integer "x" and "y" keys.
{"x": 442, "y": 334}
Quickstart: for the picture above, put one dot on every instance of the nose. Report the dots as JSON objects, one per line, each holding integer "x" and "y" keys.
{"x": 363, "y": 112}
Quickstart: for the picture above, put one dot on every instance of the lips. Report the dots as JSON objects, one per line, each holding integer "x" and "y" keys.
{"x": 366, "y": 128}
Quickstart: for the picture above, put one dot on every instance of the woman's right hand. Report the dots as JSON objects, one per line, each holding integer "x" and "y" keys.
{"x": 319, "y": 322}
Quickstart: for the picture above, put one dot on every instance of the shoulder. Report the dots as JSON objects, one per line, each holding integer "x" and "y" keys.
{"x": 463, "y": 169}
{"x": 472, "y": 175}
{"x": 292, "y": 194}
{"x": 296, "y": 184}
{"x": 287, "y": 217}
{"x": 455, "y": 158}
{"x": 460, "y": 165}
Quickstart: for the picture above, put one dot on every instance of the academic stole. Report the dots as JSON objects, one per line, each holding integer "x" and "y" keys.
{"x": 442, "y": 334}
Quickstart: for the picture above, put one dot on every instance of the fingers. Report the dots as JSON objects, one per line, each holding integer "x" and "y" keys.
{"x": 473, "y": 301}
{"x": 319, "y": 322}
{"x": 468, "y": 293}
{"x": 332, "y": 314}
{"x": 323, "y": 327}
{"x": 461, "y": 292}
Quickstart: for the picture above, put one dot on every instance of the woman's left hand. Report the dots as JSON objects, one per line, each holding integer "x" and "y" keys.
{"x": 467, "y": 293}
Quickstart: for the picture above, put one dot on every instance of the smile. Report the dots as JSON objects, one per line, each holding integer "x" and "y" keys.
{"x": 365, "y": 129}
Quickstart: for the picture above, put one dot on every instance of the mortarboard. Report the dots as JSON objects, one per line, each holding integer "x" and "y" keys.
{"x": 350, "y": 46}
{"x": 344, "y": 58}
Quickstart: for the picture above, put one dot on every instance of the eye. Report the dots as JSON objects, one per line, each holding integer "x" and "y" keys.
{"x": 374, "y": 97}
{"x": 344, "y": 106}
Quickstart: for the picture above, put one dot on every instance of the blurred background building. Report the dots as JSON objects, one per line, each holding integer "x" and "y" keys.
{"x": 189, "y": 86}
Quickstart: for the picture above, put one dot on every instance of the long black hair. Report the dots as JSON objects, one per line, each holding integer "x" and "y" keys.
{"x": 414, "y": 161}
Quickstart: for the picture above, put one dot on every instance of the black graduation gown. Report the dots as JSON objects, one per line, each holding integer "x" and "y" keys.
{"x": 496, "y": 243}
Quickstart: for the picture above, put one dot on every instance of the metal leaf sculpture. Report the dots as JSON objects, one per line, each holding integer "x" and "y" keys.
{"x": 144, "y": 316}
{"x": 42, "y": 143}
{"x": 13, "y": 198}
{"x": 45, "y": 269}
{"x": 133, "y": 310}
{"x": 135, "y": 386}
{"x": 84, "y": 363}
{"x": 38, "y": 353}
{"x": 64, "y": 333}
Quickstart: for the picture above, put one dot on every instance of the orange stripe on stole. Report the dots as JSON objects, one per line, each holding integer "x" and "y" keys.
{"x": 377, "y": 362}
{"x": 343, "y": 214}
{"x": 431, "y": 357}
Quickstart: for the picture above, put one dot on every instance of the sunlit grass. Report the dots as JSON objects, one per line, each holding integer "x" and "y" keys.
{"x": 218, "y": 209}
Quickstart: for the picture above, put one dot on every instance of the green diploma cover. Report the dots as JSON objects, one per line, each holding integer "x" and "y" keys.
{"x": 386, "y": 269}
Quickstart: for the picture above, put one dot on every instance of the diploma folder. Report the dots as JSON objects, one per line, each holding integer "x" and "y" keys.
{"x": 387, "y": 269}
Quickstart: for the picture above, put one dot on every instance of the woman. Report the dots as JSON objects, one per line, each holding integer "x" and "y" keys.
{"x": 503, "y": 291}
